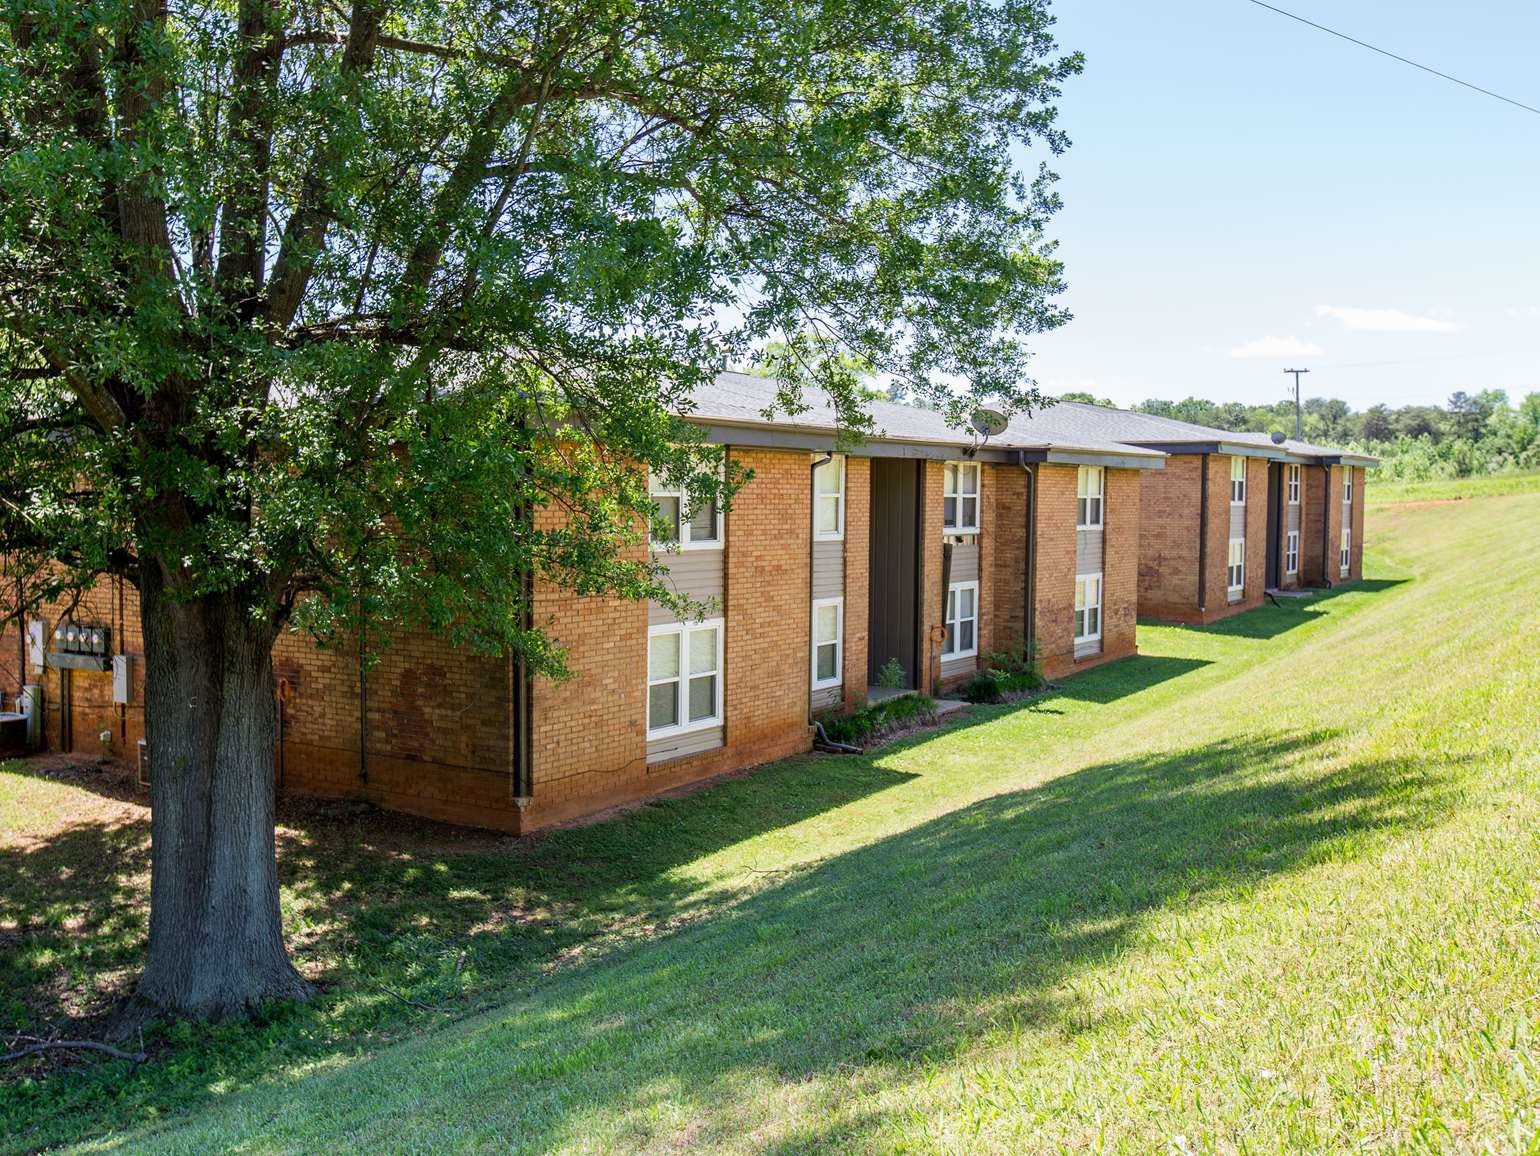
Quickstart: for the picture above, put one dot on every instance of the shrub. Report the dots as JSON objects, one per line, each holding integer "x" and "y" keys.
{"x": 866, "y": 726}
{"x": 985, "y": 686}
{"x": 891, "y": 676}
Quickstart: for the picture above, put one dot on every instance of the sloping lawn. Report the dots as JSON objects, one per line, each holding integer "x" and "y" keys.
{"x": 1271, "y": 884}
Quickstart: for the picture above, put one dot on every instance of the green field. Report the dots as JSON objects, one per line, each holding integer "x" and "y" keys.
{"x": 1271, "y": 884}
{"x": 1451, "y": 489}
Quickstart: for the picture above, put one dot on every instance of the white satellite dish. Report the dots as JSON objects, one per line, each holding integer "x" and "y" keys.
{"x": 990, "y": 422}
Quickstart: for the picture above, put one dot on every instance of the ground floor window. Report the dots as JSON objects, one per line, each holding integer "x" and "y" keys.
{"x": 962, "y": 620}
{"x": 1347, "y": 550}
{"x": 684, "y": 684}
{"x": 828, "y": 633}
{"x": 1291, "y": 553}
{"x": 1088, "y": 607}
{"x": 1236, "y": 576}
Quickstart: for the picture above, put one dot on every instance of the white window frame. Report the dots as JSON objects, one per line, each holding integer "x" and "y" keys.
{"x": 1237, "y": 481}
{"x": 953, "y": 593}
{"x": 839, "y": 643}
{"x": 1345, "y": 557}
{"x": 656, "y": 490}
{"x": 1347, "y": 485}
{"x": 1293, "y": 476}
{"x": 1083, "y": 603}
{"x": 819, "y": 498}
{"x": 957, "y": 496}
{"x": 682, "y": 695}
{"x": 1084, "y": 497}
{"x": 1291, "y": 552}
{"x": 1232, "y": 564}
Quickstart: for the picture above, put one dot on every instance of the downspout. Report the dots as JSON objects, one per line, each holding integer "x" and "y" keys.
{"x": 1029, "y": 561}
{"x": 363, "y": 701}
{"x": 1325, "y": 524}
{"x": 812, "y": 520}
{"x": 1203, "y": 537}
{"x": 521, "y": 698}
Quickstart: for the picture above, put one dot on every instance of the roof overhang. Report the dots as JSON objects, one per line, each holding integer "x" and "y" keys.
{"x": 1068, "y": 456}
{"x": 1233, "y": 449}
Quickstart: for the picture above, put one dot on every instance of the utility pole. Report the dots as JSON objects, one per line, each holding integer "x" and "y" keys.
{"x": 1299, "y": 422}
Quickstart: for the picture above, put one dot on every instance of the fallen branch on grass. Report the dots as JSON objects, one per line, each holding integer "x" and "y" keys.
{"x": 415, "y": 1003}
{"x": 72, "y": 1045}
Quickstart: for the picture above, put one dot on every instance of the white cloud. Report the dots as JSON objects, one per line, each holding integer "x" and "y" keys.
{"x": 1386, "y": 320}
{"x": 1276, "y": 347}
{"x": 1517, "y": 311}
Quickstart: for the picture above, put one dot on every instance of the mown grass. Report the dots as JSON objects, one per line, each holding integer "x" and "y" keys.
{"x": 1451, "y": 489}
{"x": 1270, "y": 884}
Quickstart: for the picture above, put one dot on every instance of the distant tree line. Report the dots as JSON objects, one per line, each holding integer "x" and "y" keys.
{"x": 1475, "y": 433}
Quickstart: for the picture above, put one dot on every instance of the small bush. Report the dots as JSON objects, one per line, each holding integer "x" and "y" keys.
{"x": 866, "y": 726}
{"x": 985, "y": 686}
{"x": 891, "y": 676}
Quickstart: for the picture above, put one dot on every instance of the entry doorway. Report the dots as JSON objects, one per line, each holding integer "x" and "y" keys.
{"x": 893, "y": 630}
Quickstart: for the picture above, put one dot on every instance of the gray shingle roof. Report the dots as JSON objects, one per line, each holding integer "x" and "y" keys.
{"x": 741, "y": 399}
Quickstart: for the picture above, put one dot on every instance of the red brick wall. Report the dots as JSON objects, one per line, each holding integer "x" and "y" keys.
{"x": 1003, "y": 542}
{"x": 1120, "y": 564}
{"x": 931, "y": 542}
{"x": 1169, "y": 500}
{"x": 590, "y": 731}
{"x": 1360, "y": 481}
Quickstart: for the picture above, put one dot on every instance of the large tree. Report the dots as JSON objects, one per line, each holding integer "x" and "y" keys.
{"x": 307, "y": 305}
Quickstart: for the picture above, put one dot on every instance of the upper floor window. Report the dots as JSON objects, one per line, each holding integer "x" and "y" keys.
{"x": 960, "y": 498}
{"x": 675, "y": 523}
{"x": 1347, "y": 483}
{"x": 1088, "y": 507}
{"x": 684, "y": 684}
{"x": 829, "y": 498}
{"x": 962, "y": 621}
{"x": 1237, "y": 481}
{"x": 1293, "y": 485}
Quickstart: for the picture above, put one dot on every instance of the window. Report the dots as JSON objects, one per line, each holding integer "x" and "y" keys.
{"x": 1347, "y": 550}
{"x": 829, "y": 499}
{"x": 675, "y": 524}
{"x": 1088, "y": 607}
{"x": 962, "y": 621}
{"x": 1237, "y": 571}
{"x": 1293, "y": 485}
{"x": 828, "y": 633}
{"x": 684, "y": 684}
{"x": 1088, "y": 510}
{"x": 1237, "y": 481}
{"x": 1291, "y": 553}
{"x": 960, "y": 498}
{"x": 1347, "y": 484}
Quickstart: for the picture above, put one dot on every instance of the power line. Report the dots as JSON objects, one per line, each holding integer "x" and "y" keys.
{"x": 1402, "y": 59}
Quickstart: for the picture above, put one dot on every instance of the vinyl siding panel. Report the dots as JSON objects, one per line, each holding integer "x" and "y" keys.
{"x": 1293, "y": 512}
{"x": 965, "y": 561}
{"x": 689, "y": 743}
{"x": 828, "y": 697}
{"x": 952, "y": 667}
{"x": 695, "y": 573}
{"x": 1238, "y": 520}
{"x": 1087, "y": 649}
{"x": 1088, "y": 551}
{"x": 828, "y": 570}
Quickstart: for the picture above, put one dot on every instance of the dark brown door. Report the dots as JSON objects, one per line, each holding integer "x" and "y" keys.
{"x": 893, "y": 583}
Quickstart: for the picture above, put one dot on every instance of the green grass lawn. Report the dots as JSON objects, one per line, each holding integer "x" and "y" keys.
{"x": 1451, "y": 489}
{"x": 1272, "y": 884}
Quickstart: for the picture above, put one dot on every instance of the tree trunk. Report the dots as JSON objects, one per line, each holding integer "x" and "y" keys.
{"x": 216, "y": 939}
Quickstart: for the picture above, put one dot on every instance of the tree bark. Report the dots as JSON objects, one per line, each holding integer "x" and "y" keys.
{"x": 216, "y": 938}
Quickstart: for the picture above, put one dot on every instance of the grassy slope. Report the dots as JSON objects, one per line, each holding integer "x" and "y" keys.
{"x": 1490, "y": 486}
{"x": 1272, "y": 884}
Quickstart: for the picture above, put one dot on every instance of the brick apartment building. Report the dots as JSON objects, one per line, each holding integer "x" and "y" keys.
{"x": 923, "y": 548}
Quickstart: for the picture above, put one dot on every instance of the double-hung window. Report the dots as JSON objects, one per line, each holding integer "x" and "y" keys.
{"x": 1293, "y": 485}
{"x": 1088, "y": 607}
{"x": 676, "y": 524}
{"x": 1347, "y": 550}
{"x": 828, "y": 635}
{"x": 829, "y": 499}
{"x": 1236, "y": 575}
{"x": 1347, "y": 485}
{"x": 1291, "y": 553}
{"x": 960, "y": 498}
{"x": 1088, "y": 507}
{"x": 1237, "y": 481}
{"x": 684, "y": 677}
{"x": 962, "y": 620}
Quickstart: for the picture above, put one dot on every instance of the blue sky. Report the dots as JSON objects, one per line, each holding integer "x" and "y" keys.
{"x": 1245, "y": 193}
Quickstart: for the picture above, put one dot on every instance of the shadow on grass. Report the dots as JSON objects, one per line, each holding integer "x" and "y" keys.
{"x": 1126, "y": 676}
{"x": 907, "y": 950}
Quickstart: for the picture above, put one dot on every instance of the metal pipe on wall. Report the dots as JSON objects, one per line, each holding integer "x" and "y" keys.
{"x": 1203, "y": 536}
